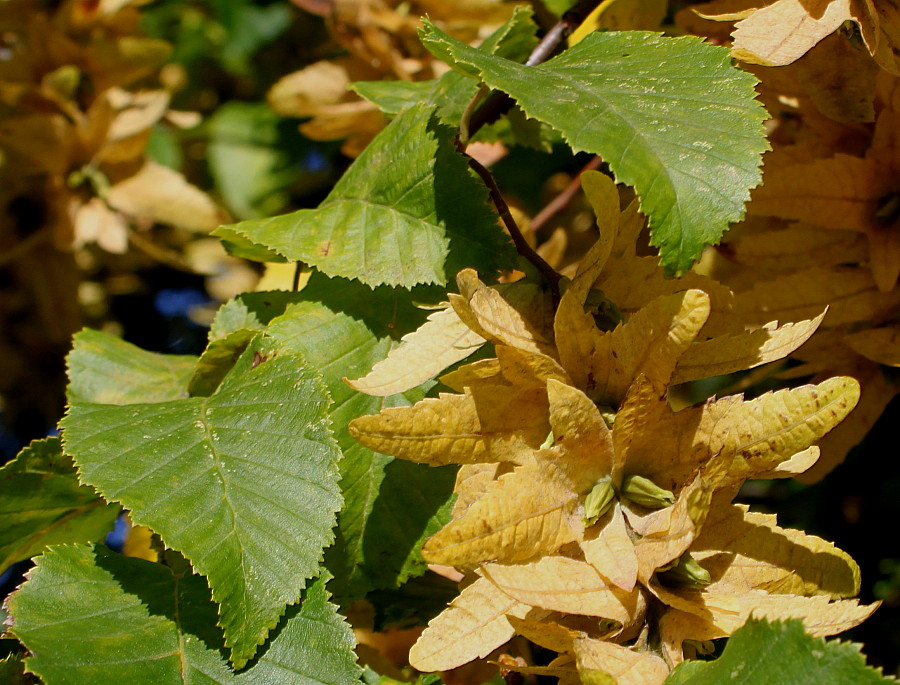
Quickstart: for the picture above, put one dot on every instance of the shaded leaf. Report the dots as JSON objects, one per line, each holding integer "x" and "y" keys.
{"x": 12, "y": 671}
{"x": 243, "y": 483}
{"x": 42, "y": 503}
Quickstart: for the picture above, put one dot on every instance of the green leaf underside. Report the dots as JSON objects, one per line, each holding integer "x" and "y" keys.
{"x": 780, "y": 653}
{"x": 42, "y": 503}
{"x": 105, "y": 369}
{"x": 89, "y": 615}
{"x": 243, "y": 483}
{"x": 670, "y": 116}
{"x": 238, "y": 245}
{"x": 390, "y": 506}
{"x": 217, "y": 360}
{"x": 408, "y": 211}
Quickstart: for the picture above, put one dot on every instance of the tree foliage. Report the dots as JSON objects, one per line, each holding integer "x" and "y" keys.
{"x": 435, "y": 409}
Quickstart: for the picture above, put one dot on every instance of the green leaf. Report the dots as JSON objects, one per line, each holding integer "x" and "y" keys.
{"x": 243, "y": 483}
{"x": 671, "y": 116}
{"x": 42, "y": 503}
{"x": 452, "y": 91}
{"x": 89, "y": 615}
{"x": 390, "y": 506}
{"x": 105, "y": 369}
{"x": 780, "y": 653}
{"x": 409, "y": 193}
{"x": 253, "y": 311}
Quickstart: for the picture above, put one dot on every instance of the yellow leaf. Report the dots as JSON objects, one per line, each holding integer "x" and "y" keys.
{"x": 548, "y": 634}
{"x": 529, "y": 369}
{"x": 136, "y": 112}
{"x": 516, "y": 314}
{"x": 785, "y": 30}
{"x": 839, "y": 192}
{"x": 139, "y": 544}
{"x": 820, "y": 615}
{"x": 472, "y": 481}
{"x": 162, "y": 195}
{"x": 608, "y": 547}
{"x": 531, "y": 511}
{"x": 95, "y": 222}
{"x": 729, "y": 353}
{"x": 794, "y": 465}
{"x": 763, "y": 432}
{"x": 842, "y": 192}
{"x": 649, "y": 343}
{"x": 746, "y": 551}
{"x": 475, "y": 373}
{"x": 443, "y": 340}
{"x": 583, "y": 442}
{"x": 487, "y": 423}
{"x": 306, "y": 92}
{"x": 569, "y": 586}
{"x": 665, "y": 446}
{"x": 471, "y": 627}
{"x": 627, "y": 666}
{"x": 601, "y": 192}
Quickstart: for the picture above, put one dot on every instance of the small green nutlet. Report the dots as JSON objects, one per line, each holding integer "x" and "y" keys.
{"x": 598, "y": 501}
{"x": 686, "y": 572}
{"x": 646, "y": 493}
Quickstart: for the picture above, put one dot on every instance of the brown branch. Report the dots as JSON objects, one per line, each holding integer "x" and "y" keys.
{"x": 561, "y": 201}
{"x": 498, "y": 103}
{"x": 522, "y": 246}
